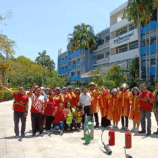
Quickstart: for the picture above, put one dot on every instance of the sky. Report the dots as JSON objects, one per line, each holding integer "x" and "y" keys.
{"x": 38, "y": 25}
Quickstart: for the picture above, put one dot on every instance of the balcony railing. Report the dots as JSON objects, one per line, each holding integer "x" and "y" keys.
{"x": 104, "y": 60}
{"x": 72, "y": 66}
{"x": 72, "y": 78}
{"x": 62, "y": 71}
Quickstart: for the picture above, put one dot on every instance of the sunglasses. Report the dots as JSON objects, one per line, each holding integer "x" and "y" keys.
{"x": 20, "y": 89}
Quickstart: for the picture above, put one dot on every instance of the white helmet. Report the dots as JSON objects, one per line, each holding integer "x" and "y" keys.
{"x": 124, "y": 85}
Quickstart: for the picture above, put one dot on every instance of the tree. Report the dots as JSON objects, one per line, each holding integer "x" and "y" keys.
{"x": 132, "y": 12}
{"x": 115, "y": 74}
{"x": 45, "y": 61}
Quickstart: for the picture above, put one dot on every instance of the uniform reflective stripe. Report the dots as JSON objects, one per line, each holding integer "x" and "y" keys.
{"x": 15, "y": 102}
{"x": 113, "y": 104}
{"x": 134, "y": 102}
{"x": 123, "y": 99}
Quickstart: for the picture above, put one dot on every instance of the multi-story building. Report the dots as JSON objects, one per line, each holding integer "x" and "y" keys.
{"x": 118, "y": 44}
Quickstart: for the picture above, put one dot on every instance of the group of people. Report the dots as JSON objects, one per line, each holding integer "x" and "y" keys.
{"x": 65, "y": 109}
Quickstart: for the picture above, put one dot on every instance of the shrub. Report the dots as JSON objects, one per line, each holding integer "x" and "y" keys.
{"x": 109, "y": 84}
{"x": 1, "y": 95}
{"x": 7, "y": 94}
{"x": 151, "y": 89}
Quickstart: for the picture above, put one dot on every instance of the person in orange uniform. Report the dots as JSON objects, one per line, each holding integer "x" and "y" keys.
{"x": 77, "y": 93}
{"x": 73, "y": 96}
{"x": 94, "y": 103}
{"x": 135, "y": 113}
{"x": 113, "y": 110}
{"x": 58, "y": 97}
{"x": 125, "y": 99}
{"x": 67, "y": 97}
{"x": 103, "y": 103}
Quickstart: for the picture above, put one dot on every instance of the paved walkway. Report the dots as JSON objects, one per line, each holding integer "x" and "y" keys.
{"x": 71, "y": 144}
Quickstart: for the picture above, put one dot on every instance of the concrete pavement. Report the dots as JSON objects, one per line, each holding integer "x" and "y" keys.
{"x": 71, "y": 144}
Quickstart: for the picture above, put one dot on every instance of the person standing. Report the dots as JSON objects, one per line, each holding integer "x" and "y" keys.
{"x": 77, "y": 93}
{"x": 135, "y": 109}
{"x": 94, "y": 103}
{"x": 47, "y": 91}
{"x": 73, "y": 96}
{"x": 67, "y": 97}
{"x": 125, "y": 101}
{"x": 49, "y": 109}
{"x": 58, "y": 96}
{"x": 155, "y": 106}
{"x": 85, "y": 100}
{"x": 113, "y": 109}
{"x": 20, "y": 107}
{"x": 103, "y": 99}
{"x": 43, "y": 93}
{"x": 146, "y": 98}
{"x": 37, "y": 110}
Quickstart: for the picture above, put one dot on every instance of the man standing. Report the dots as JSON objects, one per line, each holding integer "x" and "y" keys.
{"x": 20, "y": 108}
{"x": 85, "y": 100}
{"x": 146, "y": 98}
{"x": 37, "y": 109}
{"x": 94, "y": 103}
{"x": 155, "y": 106}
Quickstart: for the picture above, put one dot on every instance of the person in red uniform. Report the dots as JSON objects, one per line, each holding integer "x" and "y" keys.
{"x": 146, "y": 98}
{"x": 49, "y": 109}
{"x": 20, "y": 107}
{"x": 73, "y": 96}
{"x": 67, "y": 97}
{"x": 77, "y": 93}
{"x": 60, "y": 116}
{"x": 58, "y": 97}
{"x": 37, "y": 110}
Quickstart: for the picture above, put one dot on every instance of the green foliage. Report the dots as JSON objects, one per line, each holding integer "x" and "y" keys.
{"x": 151, "y": 89}
{"x": 7, "y": 94}
{"x": 115, "y": 74}
{"x": 109, "y": 84}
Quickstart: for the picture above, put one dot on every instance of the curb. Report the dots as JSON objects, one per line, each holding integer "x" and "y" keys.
{"x": 6, "y": 99}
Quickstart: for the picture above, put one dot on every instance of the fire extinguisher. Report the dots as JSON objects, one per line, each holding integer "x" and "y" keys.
{"x": 111, "y": 137}
{"x": 128, "y": 140}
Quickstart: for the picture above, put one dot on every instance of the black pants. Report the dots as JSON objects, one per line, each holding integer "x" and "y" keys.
{"x": 17, "y": 117}
{"x": 73, "y": 124}
{"x": 37, "y": 122}
{"x": 49, "y": 120}
{"x": 122, "y": 121}
{"x": 96, "y": 118}
{"x": 86, "y": 112}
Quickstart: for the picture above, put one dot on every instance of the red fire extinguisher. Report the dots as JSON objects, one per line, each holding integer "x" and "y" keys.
{"x": 112, "y": 137}
{"x": 128, "y": 140}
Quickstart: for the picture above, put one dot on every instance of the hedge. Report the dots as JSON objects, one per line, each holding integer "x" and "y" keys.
{"x": 6, "y": 94}
{"x": 109, "y": 84}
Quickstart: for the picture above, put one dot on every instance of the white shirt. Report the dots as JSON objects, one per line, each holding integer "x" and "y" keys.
{"x": 85, "y": 99}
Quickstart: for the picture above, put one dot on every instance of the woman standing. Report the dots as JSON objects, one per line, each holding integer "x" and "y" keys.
{"x": 113, "y": 110}
{"x": 135, "y": 109}
{"x": 49, "y": 109}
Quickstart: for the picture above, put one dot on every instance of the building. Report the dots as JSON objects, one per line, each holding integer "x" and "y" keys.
{"x": 118, "y": 45}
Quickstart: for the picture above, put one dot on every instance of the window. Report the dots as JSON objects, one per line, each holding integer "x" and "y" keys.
{"x": 107, "y": 55}
{"x": 72, "y": 74}
{"x": 152, "y": 62}
{"x": 100, "y": 56}
{"x": 133, "y": 45}
{"x": 153, "y": 40}
{"x": 74, "y": 62}
{"x": 78, "y": 72}
{"x": 121, "y": 49}
{"x": 65, "y": 67}
{"x": 131, "y": 27}
{"x": 121, "y": 31}
{"x": 143, "y": 43}
{"x": 144, "y": 63}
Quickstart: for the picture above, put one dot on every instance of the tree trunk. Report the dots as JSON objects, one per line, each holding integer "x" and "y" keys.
{"x": 80, "y": 66}
{"x": 88, "y": 57}
{"x": 149, "y": 45}
{"x": 7, "y": 71}
{"x": 156, "y": 49}
{"x": 146, "y": 54}
{"x": 138, "y": 30}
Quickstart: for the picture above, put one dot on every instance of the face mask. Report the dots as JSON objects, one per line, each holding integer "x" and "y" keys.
{"x": 42, "y": 92}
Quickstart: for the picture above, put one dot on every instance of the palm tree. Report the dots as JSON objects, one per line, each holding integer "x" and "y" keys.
{"x": 45, "y": 61}
{"x": 155, "y": 3}
{"x": 77, "y": 41}
{"x": 132, "y": 12}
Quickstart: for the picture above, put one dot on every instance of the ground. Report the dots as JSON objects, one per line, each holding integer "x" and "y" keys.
{"x": 71, "y": 144}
